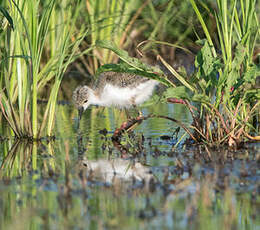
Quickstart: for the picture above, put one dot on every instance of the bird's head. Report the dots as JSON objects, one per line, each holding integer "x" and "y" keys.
{"x": 80, "y": 98}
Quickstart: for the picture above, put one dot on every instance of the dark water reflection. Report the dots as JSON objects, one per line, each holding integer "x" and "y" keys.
{"x": 49, "y": 185}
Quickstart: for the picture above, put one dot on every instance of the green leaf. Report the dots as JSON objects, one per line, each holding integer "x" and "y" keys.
{"x": 7, "y": 16}
{"x": 239, "y": 57}
{"x": 234, "y": 75}
{"x": 179, "y": 92}
{"x": 177, "y": 75}
{"x": 208, "y": 69}
{"x": 201, "y": 42}
{"x": 207, "y": 59}
{"x": 153, "y": 100}
{"x": 251, "y": 73}
{"x": 252, "y": 94}
{"x": 202, "y": 98}
{"x": 232, "y": 78}
{"x": 134, "y": 62}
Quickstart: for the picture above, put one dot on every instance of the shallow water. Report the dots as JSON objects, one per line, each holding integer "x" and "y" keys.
{"x": 61, "y": 184}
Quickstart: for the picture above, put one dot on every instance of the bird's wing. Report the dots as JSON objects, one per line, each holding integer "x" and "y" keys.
{"x": 119, "y": 79}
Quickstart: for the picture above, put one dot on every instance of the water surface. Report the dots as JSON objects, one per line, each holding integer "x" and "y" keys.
{"x": 49, "y": 185}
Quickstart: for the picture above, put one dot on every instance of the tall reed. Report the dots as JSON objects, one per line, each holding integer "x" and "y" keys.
{"x": 109, "y": 20}
{"x": 225, "y": 78}
{"x": 43, "y": 43}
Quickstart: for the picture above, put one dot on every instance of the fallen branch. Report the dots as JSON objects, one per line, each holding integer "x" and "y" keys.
{"x": 128, "y": 125}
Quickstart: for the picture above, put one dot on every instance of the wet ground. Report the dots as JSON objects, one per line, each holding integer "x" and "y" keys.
{"x": 82, "y": 180}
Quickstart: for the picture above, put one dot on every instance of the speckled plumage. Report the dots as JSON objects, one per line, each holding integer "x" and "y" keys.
{"x": 119, "y": 80}
{"x": 114, "y": 89}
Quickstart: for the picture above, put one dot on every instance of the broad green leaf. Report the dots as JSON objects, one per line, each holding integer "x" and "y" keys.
{"x": 239, "y": 57}
{"x": 153, "y": 100}
{"x": 179, "y": 92}
{"x": 207, "y": 59}
{"x": 208, "y": 69}
{"x": 234, "y": 75}
{"x": 201, "y": 98}
{"x": 232, "y": 78}
{"x": 252, "y": 72}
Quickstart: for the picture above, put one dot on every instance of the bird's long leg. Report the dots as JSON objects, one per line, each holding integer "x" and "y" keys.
{"x": 140, "y": 114}
{"x": 128, "y": 116}
{"x": 131, "y": 123}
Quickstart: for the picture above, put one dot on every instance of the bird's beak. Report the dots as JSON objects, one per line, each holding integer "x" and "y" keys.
{"x": 80, "y": 111}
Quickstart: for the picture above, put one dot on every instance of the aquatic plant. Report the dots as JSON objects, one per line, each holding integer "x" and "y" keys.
{"x": 38, "y": 42}
{"x": 223, "y": 84}
{"x": 225, "y": 80}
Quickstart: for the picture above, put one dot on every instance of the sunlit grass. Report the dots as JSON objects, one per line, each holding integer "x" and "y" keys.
{"x": 109, "y": 20}
{"x": 43, "y": 42}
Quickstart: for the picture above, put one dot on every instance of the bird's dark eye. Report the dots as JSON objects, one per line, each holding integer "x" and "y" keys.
{"x": 85, "y": 101}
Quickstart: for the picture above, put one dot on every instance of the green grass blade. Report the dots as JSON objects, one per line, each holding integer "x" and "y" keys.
{"x": 205, "y": 29}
